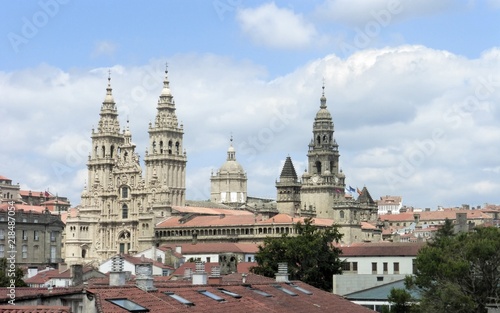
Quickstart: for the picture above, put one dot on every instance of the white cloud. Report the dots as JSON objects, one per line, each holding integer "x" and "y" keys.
{"x": 275, "y": 27}
{"x": 409, "y": 120}
{"x": 384, "y": 12}
{"x": 104, "y": 48}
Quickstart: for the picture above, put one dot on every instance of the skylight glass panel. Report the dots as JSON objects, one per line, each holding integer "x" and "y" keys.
{"x": 229, "y": 293}
{"x": 179, "y": 298}
{"x": 128, "y": 305}
{"x": 307, "y": 292}
{"x": 259, "y": 292}
{"x": 211, "y": 295}
{"x": 288, "y": 292}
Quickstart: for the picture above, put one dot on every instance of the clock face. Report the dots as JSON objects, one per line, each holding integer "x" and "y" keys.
{"x": 336, "y": 179}
{"x": 315, "y": 178}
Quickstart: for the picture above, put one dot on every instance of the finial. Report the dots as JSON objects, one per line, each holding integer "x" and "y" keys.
{"x": 323, "y": 86}
{"x": 109, "y": 77}
{"x": 166, "y": 67}
{"x": 231, "y": 138}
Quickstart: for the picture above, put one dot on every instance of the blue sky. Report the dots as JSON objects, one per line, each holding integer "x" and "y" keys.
{"x": 413, "y": 87}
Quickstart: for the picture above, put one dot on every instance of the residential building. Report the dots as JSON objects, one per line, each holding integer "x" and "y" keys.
{"x": 368, "y": 265}
{"x": 37, "y": 234}
{"x": 9, "y": 192}
{"x": 389, "y": 205}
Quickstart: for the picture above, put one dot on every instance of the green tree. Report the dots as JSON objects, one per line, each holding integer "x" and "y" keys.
{"x": 459, "y": 273}
{"x": 402, "y": 301}
{"x": 6, "y": 276}
{"x": 311, "y": 255}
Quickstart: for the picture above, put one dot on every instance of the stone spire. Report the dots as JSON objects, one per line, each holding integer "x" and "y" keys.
{"x": 288, "y": 172}
{"x": 108, "y": 122}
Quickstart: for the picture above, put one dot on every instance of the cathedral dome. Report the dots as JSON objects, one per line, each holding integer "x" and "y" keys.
{"x": 323, "y": 113}
{"x": 231, "y": 166}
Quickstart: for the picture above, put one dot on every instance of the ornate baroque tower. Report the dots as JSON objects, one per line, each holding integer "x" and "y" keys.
{"x": 323, "y": 184}
{"x": 288, "y": 189}
{"x": 229, "y": 184}
{"x": 166, "y": 159}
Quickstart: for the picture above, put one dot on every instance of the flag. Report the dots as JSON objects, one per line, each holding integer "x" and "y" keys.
{"x": 351, "y": 189}
{"x": 47, "y": 194}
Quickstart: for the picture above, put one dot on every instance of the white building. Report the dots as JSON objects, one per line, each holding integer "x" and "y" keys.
{"x": 389, "y": 204}
{"x": 130, "y": 262}
{"x": 368, "y": 265}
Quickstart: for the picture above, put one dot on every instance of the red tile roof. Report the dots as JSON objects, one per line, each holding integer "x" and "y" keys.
{"x": 214, "y": 247}
{"x": 433, "y": 215}
{"x": 23, "y": 293}
{"x": 4, "y": 178}
{"x": 158, "y": 301}
{"x": 382, "y": 249}
{"x": 209, "y": 211}
{"x": 139, "y": 260}
{"x": 25, "y": 207}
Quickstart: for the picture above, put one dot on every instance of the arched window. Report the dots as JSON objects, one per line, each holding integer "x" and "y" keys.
{"x": 318, "y": 167}
{"x": 161, "y": 146}
{"x": 318, "y": 139}
{"x": 84, "y": 253}
{"x": 103, "y": 148}
{"x": 124, "y": 211}
{"x": 112, "y": 150}
{"x": 177, "y": 146}
{"x": 170, "y": 147}
{"x": 124, "y": 192}
{"x": 341, "y": 214}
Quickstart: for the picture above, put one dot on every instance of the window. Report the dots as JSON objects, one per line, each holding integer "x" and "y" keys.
{"x": 346, "y": 266}
{"x": 35, "y": 235}
{"x": 341, "y": 214}
{"x": 179, "y": 298}
{"x": 288, "y": 292}
{"x": 355, "y": 267}
{"x": 124, "y": 211}
{"x": 307, "y": 292}
{"x": 52, "y": 236}
{"x": 53, "y": 251}
{"x": 2, "y": 251}
{"x": 24, "y": 251}
{"x": 385, "y": 267}
{"x": 2, "y": 234}
{"x": 229, "y": 293}
{"x": 128, "y": 305}
{"x": 374, "y": 268}
{"x": 124, "y": 192}
{"x": 259, "y": 292}
{"x": 211, "y": 295}
{"x": 208, "y": 259}
{"x": 396, "y": 268}
{"x": 25, "y": 235}
{"x": 122, "y": 248}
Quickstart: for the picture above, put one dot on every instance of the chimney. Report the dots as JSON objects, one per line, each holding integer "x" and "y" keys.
{"x": 144, "y": 276}
{"x": 187, "y": 273}
{"x": 178, "y": 249}
{"x": 76, "y": 274}
{"x": 117, "y": 275}
{"x": 32, "y": 271}
{"x": 282, "y": 275}
{"x": 200, "y": 276}
{"x": 215, "y": 277}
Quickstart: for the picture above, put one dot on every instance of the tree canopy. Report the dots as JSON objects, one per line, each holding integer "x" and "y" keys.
{"x": 459, "y": 273}
{"x": 6, "y": 276}
{"x": 311, "y": 255}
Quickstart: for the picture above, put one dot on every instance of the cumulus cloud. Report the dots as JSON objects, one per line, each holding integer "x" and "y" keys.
{"x": 410, "y": 121}
{"x": 271, "y": 26}
{"x": 360, "y": 12}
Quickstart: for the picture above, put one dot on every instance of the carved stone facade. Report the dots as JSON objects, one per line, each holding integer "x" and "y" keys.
{"x": 119, "y": 207}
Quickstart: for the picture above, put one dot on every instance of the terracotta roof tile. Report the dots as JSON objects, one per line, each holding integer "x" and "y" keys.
{"x": 158, "y": 301}
{"x": 382, "y": 249}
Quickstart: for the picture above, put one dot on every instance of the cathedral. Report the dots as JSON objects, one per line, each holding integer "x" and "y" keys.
{"x": 120, "y": 206}
{"x": 124, "y": 211}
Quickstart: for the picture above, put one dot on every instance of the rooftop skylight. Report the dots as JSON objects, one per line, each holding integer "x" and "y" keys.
{"x": 128, "y": 305}
{"x": 211, "y": 295}
{"x": 179, "y": 298}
